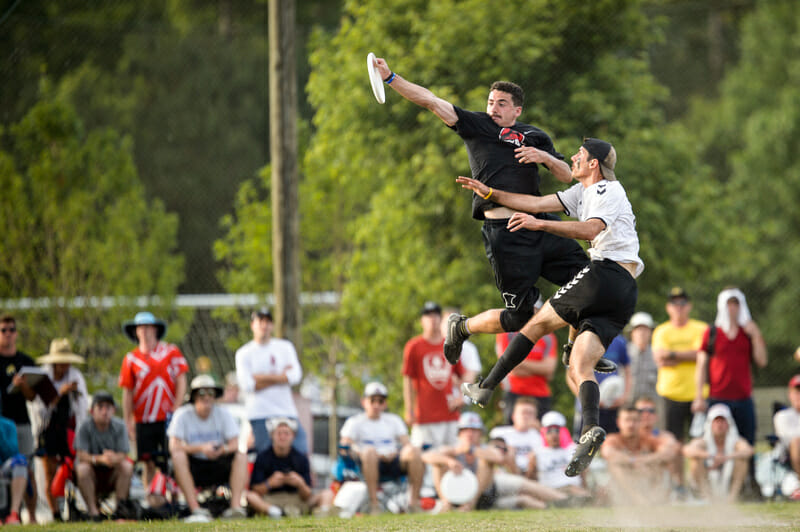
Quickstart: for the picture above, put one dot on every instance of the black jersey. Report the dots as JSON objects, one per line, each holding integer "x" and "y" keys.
{"x": 492, "y": 157}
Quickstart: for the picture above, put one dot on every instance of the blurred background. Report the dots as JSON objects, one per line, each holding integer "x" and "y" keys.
{"x": 135, "y": 165}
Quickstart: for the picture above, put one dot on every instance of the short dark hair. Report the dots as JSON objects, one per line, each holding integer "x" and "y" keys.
{"x": 516, "y": 92}
{"x": 627, "y": 408}
{"x": 8, "y": 318}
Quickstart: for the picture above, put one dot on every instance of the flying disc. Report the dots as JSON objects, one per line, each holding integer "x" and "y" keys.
{"x": 461, "y": 488}
{"x": 611, "y": 389}
{"x": 375, "y": 79}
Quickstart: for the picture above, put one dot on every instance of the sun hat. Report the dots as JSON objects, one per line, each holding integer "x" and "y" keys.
{"x": 60, "y": 353}
{"x": 144, "y": 318}
{"x": 203, "y": 382}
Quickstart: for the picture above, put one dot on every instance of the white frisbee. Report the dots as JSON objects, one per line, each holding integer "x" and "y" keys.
{"x": 375, "y": 79}
{"x": 459, "y": 489}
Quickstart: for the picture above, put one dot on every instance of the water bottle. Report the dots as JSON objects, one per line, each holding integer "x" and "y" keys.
{"x": 698, "y": 424}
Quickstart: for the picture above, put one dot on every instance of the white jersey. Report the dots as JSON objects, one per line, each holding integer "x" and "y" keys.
{"x": 550, "y": 465}
{"x": 607, "y": 201}
{"x": 524, "y": 443}
{"x": 787, "y": 425}
{"x": 382, "y": 433}
{"x": 273, "y": 357}
{"x": 470, "y": 358}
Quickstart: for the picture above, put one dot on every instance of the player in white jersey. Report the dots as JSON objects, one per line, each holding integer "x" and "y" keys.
{"x": 598, "y": 301}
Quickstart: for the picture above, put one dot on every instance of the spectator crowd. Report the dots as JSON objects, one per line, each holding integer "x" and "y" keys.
{"x": 680, "y": 416}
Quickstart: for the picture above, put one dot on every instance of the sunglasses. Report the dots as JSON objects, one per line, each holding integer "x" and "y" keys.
{"x": 501, "y": 448}
{"x": 377, "y": 399}
{"x": 9, "y": 330}
{"x": 553, "y": 428}
{"x": 647, "y": 410}
{"x": 205, "y": 393}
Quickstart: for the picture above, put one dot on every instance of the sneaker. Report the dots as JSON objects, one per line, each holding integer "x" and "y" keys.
{"x": 454, "y": 338}
{"x": 587, "y": 448}
{"x": 13, "y": 519}
{"x": 603, "y": 365}
{"x": 201, "y": 515}
{"x": 234, "y": 513}
{"x": 479, "y": 396}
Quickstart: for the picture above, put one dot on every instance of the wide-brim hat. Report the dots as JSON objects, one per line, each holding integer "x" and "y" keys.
{"x": 60, "y": 353}
{"x": 204, "y": 382}
{"x": 144, "y": 318}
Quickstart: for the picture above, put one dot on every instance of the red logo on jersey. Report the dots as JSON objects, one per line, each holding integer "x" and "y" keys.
{"x": 512, "y": 137}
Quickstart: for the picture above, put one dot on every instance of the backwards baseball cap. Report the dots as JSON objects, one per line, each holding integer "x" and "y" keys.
{"x": 794, "y": 382}
{"x": 431, "y": 307}
{"x": 375, "y": 388}
{"x": 603, "y": 152}
{"x": 103, "y": 397}
{"x": 275, "y": 422}
{"x": 554, "y": 419}
{"x": 676, "y": 292}
{"x": 470, "y": 420}
{"x": 262, "y": 312}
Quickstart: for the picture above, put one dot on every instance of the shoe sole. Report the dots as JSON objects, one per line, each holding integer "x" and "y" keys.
{"x": 581, "y": 461}
{"x": 603, "y": 365}
{"x": 465, "y": 390}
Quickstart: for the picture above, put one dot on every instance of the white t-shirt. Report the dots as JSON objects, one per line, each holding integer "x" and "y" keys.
{"x": 470, "y": 358}
{"x": 787, "y": 424}
{"x": 607, "y": 201}
{"x": 381, "y": 433}
{"x": 273, "y": 357}
{"x": 550, "y": 465}
{"x": 524, "y": 443}
{"x": 219, "y": 427}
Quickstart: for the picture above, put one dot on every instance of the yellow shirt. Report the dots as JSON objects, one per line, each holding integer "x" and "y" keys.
{"x": 677, "y": 382}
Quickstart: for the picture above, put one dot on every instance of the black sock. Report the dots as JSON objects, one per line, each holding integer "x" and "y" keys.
{"x": 516, "y": 352}
{"x": 589, "y": 395}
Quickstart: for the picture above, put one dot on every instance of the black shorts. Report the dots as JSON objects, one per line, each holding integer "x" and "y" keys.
{"x": 211, "y": 473}
{"x": 677, "y": 416}
{"x": 387, "y": 470}
{"x": 518, "y": 259}
{"x": 601, "y": 298}
{"x": 151, "y": 443}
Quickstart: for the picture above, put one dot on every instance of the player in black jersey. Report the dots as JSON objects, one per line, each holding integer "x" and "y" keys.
{"x": 504, "y": 154}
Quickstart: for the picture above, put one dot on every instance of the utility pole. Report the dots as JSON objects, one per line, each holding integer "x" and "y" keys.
{"x": 283, "y": 154}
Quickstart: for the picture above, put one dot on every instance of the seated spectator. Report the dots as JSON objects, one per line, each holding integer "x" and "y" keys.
{"x": 665, "y": 440}
{"x": 378, "y": 441}
{"x": 637, "y": 463}
{"x": 281, "y": 479}
{"x": 203, "y": 443}
{"x": 467, "y": 453}
{"x": 14, "y": 466}
{"x": 718, "y": 461}
{"x": 787, "y": 426}
{"x": 101, "y": 447}
{"x": 551, "y": 460}
{"x": 523, "y": 437}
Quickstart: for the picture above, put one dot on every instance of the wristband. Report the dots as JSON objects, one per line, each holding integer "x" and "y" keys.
{"x": 390, "y": 79}
{"x": 489, "y": 195}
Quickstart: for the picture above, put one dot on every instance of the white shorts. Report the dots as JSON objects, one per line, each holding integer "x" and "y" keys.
{"x": 434, "y": 434}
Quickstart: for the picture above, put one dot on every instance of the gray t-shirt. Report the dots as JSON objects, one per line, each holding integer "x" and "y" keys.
{"x": 94, "y": 441}
{"x": 219, "y": 427}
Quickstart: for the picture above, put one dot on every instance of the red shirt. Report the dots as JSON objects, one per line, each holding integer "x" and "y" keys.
{"x": 729, "y": 366}
{"x": 432, "y": 377}
{"x": 153, "y": 378}
{"x": 535, "y": 385}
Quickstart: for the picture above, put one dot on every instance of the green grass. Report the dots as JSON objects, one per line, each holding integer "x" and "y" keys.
{"x": 750, "y": 516}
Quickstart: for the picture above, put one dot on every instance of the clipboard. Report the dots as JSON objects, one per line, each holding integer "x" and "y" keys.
{"x": 38, "y": 379}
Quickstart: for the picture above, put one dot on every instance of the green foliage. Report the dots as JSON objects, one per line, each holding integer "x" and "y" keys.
{"x": 77, "y": 224}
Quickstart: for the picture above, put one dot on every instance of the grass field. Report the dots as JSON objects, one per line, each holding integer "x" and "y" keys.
{"x": 752, "y": 516}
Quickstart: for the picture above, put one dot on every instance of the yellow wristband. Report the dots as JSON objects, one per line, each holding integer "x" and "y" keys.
{"x": 489, "y": 195}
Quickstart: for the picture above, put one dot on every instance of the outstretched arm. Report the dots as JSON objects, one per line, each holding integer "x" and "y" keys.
{"x": 518, "y": 202}
{"x": 418, "y": 94}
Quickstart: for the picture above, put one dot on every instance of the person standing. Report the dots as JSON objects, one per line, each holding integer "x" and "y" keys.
{"x": 725, "y": 365}
{"x": 431, "y": 407}
{"x": 266, "y": 369}
{"x": 601, "y": 298}
{"x": 506, "y": 154}
{"x": 14, "y": 404}
{"x": 675, "y": 345}
{"x": 153, "y": 382}
{"x": 787, "y": 426}
{"x": 531, "y": 378}
{"x": 644, "y": 371}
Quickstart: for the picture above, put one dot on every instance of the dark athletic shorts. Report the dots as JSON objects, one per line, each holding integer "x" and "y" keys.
{"x": 211, "y": 473}
{"x": 601, "y": 298}
{"x": 518, "y": 259}
{"x": 151, "y": 443}
{"x": 393, "y": 469}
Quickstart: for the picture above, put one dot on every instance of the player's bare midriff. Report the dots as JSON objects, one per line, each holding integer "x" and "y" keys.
{"x": 499, "y": 213}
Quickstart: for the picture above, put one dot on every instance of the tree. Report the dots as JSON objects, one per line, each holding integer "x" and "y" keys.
{"x": 77, "y": 224}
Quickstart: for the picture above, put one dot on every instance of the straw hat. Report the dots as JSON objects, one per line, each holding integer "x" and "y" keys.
{"x": 60, "y": 353}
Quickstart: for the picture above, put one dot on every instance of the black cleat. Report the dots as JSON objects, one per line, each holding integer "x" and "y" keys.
{"x": 454, "y": 338}
{"x": 587, "y": 448}
{"x": 479, "y": 396}
{"x": 603, "y": 365}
